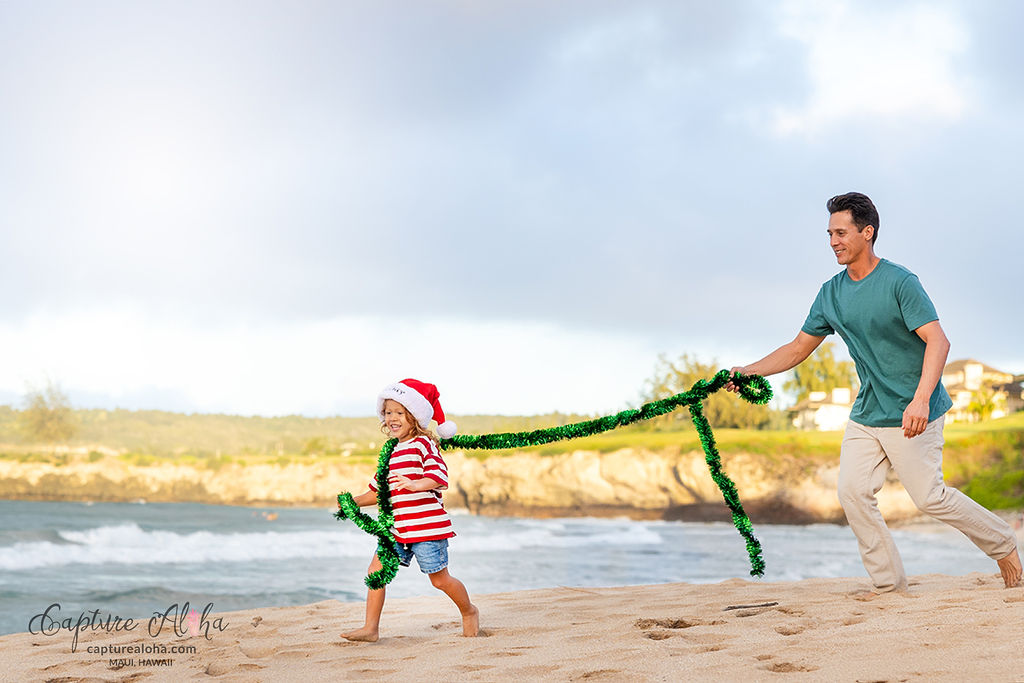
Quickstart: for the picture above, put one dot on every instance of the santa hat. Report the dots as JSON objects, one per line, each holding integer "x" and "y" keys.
{"x": 420, "y": 399}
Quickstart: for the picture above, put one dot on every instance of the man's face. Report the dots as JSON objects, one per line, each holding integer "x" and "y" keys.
{"x": 846, "y": 240}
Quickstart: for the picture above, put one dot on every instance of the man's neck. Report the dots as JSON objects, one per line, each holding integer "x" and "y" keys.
{"x": 863, "y": 266}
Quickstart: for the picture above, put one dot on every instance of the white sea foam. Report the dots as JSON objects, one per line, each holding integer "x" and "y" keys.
{"x": 130, "y": 544}
{"x": 556, "y": 538}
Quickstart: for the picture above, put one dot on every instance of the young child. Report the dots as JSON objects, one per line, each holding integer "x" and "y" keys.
{"x": 416, "y": 477}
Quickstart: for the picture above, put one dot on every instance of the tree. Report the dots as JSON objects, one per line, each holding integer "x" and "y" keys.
{"x": 47, "y": 415}
{"x": 722, "y": 408}
{"x": 821, "y": 372}
{"x": 983, "y": 403}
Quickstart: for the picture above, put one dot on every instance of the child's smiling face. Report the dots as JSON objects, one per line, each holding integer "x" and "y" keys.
{"x": 398, "y": 420}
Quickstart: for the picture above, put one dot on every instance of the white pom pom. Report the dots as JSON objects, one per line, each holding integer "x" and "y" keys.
{"x": 446, "y": 429}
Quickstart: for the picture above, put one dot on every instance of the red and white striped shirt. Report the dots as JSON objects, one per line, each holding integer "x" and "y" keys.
{"x": 419, "y": 515}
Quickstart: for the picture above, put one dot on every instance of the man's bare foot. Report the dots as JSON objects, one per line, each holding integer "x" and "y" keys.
{"x": 863, "y": 596}
{"x": 471, "y": 623}
{"x": 1010, "y": 568}
{"x": 362, "y": 635}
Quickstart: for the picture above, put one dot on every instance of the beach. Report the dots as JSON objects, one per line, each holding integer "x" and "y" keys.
{"x": 946, "y": 629}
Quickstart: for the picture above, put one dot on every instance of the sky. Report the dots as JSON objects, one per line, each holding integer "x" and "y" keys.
{"x": 267, "y": 208}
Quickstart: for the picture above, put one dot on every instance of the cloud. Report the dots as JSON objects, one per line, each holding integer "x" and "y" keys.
{"x": 881, "y": 64}
{"x": 634, "y": 178}
{"x": 336, "y": 365}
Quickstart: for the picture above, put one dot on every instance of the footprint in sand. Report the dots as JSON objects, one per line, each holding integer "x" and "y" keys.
{"x": 788, "y": 668}
{"x": 712, "y": 648}
{"x": 457, "y": 628}
{"x": 599, "y": 674}
{"x": 655, "y": 628}
{"x": 644, "y": 624}
{"x": 657, "y": 635}
{"x": 716, "y": 639}
{"x": 790, "y": 611}
{"x": 651, "y": 627}
{"x": 218, "y": 668}
{"x": 258, "y": 652}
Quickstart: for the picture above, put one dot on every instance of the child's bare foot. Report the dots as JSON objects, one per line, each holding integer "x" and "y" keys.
{"x": 471, "y": 623}
{"x": 1010, "y": 568}
{"x": 363, "y": 635}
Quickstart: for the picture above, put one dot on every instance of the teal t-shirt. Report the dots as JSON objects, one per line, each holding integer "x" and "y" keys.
{"x": 876, "y": 317}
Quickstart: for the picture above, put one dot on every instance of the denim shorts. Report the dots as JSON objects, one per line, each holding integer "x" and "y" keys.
{"x": 431, "y": 556}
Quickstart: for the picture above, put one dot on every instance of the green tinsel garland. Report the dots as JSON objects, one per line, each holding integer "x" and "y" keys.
{"x": 752, "y": 388}
{"x": 380, "y": 527}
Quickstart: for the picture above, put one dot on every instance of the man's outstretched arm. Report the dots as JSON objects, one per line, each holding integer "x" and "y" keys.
{"x": 936, "y": 349}
{"x": 784, "y": 358}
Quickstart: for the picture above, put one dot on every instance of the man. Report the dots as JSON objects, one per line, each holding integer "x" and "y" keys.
{"x": 893, "y": 334}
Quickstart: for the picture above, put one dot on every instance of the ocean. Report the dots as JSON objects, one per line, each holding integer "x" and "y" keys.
{"x": 134, "y": 560}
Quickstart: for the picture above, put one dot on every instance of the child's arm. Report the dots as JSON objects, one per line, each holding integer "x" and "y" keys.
{"x": 398, "y": 481}
{"x": 365, "y": 499}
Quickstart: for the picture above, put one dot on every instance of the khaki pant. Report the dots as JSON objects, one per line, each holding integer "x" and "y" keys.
{"x": 865, "y": 459}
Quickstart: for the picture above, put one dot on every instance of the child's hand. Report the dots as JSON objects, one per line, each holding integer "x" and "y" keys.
{"x": 400, "y": 481}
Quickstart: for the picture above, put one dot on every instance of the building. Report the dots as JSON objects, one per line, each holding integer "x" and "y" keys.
{"x": 970, "y": 380}
{"x": 823, "y": 411}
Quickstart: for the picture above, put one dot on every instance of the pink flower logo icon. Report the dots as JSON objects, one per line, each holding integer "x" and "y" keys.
{"x": 193, "y": 623}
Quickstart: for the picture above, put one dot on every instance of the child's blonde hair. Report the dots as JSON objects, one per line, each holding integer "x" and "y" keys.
{"x": 417, "y": 430}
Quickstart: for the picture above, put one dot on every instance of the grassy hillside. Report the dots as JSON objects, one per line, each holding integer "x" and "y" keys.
{"x": 162, "y": 434}
{"x": 985, "y": 460}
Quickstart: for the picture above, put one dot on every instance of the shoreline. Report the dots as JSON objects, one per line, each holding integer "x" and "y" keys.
{"x": 760, "y": 512}
{"x": 945, "y": 629}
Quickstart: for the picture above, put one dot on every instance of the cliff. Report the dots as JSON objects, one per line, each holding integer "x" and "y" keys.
{"x": 637, "y": 483}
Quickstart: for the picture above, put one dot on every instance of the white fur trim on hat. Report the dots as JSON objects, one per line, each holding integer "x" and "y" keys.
{"x": 447, "y": 429}
{"x": 415, "y": 402}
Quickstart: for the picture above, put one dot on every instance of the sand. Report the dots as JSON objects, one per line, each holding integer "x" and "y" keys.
{"x": 965, "y": 628}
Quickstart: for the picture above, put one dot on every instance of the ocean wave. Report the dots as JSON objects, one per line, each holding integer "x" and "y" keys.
{"x": 13, "y": 536}
{"x": 130, "y": 544}
{"x": 540, "y": 537}
{"x": 127, "y": 544}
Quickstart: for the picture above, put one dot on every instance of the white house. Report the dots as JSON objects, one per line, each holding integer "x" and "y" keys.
{"x": 964, "y": 379}
{"x": 823, "y": 411}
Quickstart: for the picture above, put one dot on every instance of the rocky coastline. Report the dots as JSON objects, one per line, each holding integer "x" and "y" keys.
{"x": 629, "y": 483}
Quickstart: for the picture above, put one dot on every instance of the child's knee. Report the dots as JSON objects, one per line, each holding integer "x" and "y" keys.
{"x": 440, "y": 579}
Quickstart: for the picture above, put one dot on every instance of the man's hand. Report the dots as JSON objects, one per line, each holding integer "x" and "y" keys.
{"x": 915, "y": 418}
{"x": 729, "y": 386}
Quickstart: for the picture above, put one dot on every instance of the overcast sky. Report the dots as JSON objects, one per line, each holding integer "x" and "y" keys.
{"x": 275, "y": 208}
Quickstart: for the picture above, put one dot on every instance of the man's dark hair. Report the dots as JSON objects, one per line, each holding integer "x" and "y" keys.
{"x": 862, "y": 210}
